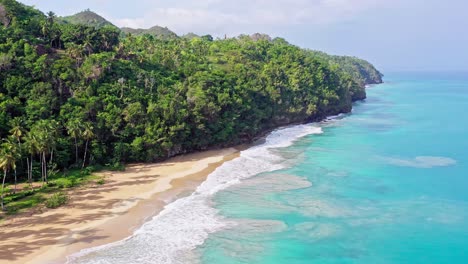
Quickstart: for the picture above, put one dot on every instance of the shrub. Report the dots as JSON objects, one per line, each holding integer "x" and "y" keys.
{"x": 26, "y": 202}
{"x": 64, "y": 182}
{"x": 7, "y": 190}
{"x": 86, "y": 172}
{"x": 116, "y": 166}
{"x": 101, "y": 181}
{"x": 56, "y": 200}
{"x": 21, "y": 195}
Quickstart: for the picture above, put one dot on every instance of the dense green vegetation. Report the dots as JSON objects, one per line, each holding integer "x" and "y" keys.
{"x": 73, "y": 95}
{"x": 87, "y": 17}
{"x": 156, "y": 31}
{"x": 56, "y": 200}
{"x": 38, "y": 195}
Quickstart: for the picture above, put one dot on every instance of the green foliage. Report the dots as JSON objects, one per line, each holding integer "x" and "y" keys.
{"x": 27, "y": 198}
{"x": 87, "y": 18}
{"x": 64, "y": 182}
{"x": 156, "y": 31}
{"x": 71, "y": 178}
{"x": 101, "y": 181}
{"x": 190, "y": 35}
{"x": 56, "y": 200}
{"x": 88, "y": 96}
{"x": 24, "y": 200}
{"x": 360, "y": 71}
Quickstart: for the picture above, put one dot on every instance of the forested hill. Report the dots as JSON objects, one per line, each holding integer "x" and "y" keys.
{"x": 74, "y": 94}
{"x": 88, "y": 18}
{"x": 156, "y": 31}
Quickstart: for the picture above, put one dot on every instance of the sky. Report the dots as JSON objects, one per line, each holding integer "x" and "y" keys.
{"x": 394, "y": 35}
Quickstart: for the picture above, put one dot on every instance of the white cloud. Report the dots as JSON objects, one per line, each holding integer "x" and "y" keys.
{"x": 220, "y": 17}
{"x": 422, "y": 162}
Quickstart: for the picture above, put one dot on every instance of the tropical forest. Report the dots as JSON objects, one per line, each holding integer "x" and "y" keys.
{"x": 78, "y": 93}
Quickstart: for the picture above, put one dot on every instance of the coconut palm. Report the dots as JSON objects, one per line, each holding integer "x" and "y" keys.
{"x": 41, "y": 136}
{"x": 51, "y": 17}
{"x": 32, "y": 147}
{"x": 17, "y": 129}
{"x": 12, "y": 147}
{"x": 74, "y": 129}
{"x": 88, "y": 44}
{"x": 52, "y": 135}
{"x": 17, "y": 132}
{"x": 49, "y": 30}
{"x": 7, "y": 162}
{"x": 46, "y": 133}
{"x": 76, "y": 51}
{"x": 87, "y": 135}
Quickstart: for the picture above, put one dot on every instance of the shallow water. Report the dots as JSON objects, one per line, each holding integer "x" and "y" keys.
{"x": 386, "y": 184}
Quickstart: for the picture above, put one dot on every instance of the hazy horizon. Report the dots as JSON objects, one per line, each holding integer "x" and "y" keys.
{"x": 394, "y": 35}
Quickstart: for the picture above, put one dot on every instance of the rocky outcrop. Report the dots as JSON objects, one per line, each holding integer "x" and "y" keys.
{"x": 4, "y": 19}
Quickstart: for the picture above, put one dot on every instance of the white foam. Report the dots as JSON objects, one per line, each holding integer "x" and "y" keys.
{"x": 336, "y": 117}
{"x": 185, "y": 224}
{"x": 424, "y": 162}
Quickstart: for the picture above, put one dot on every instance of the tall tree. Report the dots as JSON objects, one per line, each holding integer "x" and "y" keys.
{"x": 7, "y": 162}
{"x": 75, "y": 129}
{"x": 17, "y": 129}
{"x": 46, "y": 133}
{"x": 12, "y": 147}
{"x": 17, "y": 133}
{"x": 87, "y": 135}
{"x": 32, "y": 147}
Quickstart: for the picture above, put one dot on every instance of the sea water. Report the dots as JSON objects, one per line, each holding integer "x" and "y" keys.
{"x": 385, "y": 184}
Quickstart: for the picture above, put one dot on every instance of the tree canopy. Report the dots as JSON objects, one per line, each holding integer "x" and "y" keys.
{"x": 73, "y": 95}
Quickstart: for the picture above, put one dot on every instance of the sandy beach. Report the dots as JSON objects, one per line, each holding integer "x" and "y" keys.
{"x": 101, "y": 214}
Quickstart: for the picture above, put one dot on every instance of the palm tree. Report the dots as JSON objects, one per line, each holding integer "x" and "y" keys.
{"x": 88, "y": 45}
{"x": 45, "y": 30}
{"x": 42, "y": 149}
{"x": 17, "y": 132}
{"x": 7, "y": 162}
{"x": 74, "y": 129}
{"x": 12, "y": 147}
{"x": 51, "y": 17}
{"x": 17, "y": 129}
{"x": 48, "y": 136}
{"x": 32, "y": 147}
{"x": 76, "y": 51}
{"x": 52, "y": 135}
{"x": 48, "y": 31}
{"x": 87, "y": 135}
{"x": 46, "y": 133}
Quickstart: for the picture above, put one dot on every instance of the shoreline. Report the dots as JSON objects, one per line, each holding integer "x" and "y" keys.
{"x": 108, "y": 213}
{"x": 112, "y": 220}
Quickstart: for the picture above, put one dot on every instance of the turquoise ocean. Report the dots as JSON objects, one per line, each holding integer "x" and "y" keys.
{"x": 387, "y": 183}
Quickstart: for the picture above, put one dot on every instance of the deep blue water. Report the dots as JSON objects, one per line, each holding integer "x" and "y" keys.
{"x": 385, "y": 184}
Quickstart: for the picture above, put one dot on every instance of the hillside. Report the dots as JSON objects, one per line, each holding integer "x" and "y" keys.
{"x": 75, "y": 95}
{"x": 190, "y": 35}
{"x": 156, "y": 31}
{"x": 87, "y": 18}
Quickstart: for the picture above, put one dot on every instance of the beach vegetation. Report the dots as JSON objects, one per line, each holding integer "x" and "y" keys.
{"x": 101, "y": 181}
{"x": 56, "y": 200}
